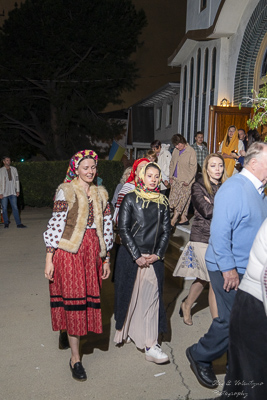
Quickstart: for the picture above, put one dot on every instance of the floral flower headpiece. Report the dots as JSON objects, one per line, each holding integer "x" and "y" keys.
{"x": 75, "y": 161}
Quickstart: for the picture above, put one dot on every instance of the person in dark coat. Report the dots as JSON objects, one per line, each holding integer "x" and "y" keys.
{"x": 192, "y": 261}
{"x": 144, "y": 227}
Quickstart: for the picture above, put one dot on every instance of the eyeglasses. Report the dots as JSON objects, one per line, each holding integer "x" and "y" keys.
{"x": 155, "y": 147}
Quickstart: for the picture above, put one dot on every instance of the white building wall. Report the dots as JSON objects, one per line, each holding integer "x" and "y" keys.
{"x": 234, "y": 45}
{"x": 222, "y": 74}
{"x": 165, "y": 133}
{"x": 203, "y": 46}
{"x": 226, "y": 60}
{"x": 201, "y": 20}
{"x": 228, "y": 51}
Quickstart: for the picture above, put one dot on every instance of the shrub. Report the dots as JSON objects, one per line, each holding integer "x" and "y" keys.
{"x": 39, "y": 180}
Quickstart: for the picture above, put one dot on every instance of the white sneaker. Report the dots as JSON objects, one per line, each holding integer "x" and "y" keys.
{"x": 128, "y": 340}
{"x": 156, "y": 355}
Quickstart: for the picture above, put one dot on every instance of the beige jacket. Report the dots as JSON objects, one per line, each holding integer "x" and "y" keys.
{"x": 186, "y": 165}
{"x": 78, "y": 211}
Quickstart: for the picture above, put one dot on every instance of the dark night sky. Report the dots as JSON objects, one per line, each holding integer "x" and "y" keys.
{"x": 165, "y": 29}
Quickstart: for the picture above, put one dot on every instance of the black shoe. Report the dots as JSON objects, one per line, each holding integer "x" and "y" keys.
{"x": 6, "y": 226}
{"x": 63, "y": 341}
{"x": 173, "y": 228}
{"x": 78, "y": 371}
{"x": 205, "y": 375}
{"x": 183, "y": 223}
{"x": 21, "y": 226}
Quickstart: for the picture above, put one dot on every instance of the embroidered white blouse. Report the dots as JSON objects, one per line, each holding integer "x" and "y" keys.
{"x": 57, "y": 222}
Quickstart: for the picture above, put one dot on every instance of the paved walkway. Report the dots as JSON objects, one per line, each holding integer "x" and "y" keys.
{"x": 32, "y": 366}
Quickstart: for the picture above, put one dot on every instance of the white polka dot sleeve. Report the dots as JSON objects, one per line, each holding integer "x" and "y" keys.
{"x": 108, "y": 228}
{"x": 56, "y": 224}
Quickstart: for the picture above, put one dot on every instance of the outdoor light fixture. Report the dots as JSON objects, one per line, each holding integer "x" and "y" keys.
{"x": 225, "y": 102}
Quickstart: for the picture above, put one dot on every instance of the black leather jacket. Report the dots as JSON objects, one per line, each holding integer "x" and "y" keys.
{"x": 144, "y": 230}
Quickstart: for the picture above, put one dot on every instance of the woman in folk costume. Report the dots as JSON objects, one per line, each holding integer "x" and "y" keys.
{"x": 230, "y": 149}
{"x": 144, "y": 226}
{"x": 78, "y": 240}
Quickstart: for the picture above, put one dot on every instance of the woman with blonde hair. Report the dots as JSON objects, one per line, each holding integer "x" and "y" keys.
{"x": 230, "y": 149}
{"x": 192, "y": 261}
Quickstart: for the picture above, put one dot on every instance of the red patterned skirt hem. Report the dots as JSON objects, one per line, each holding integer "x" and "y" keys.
{"x": 75, "y": 292}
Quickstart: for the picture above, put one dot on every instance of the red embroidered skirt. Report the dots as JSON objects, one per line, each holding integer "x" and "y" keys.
{"x": 75, "y": 292}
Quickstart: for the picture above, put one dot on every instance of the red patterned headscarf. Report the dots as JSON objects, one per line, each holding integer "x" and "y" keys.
{"x": 74, "y": 163}
{"x": 134, "y": 168}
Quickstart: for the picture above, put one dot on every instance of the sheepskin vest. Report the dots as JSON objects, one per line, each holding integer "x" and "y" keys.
{"x": 78, "y": 210}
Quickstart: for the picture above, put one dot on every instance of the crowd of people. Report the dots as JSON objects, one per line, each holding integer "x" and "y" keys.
{"x": 153, "y": 197}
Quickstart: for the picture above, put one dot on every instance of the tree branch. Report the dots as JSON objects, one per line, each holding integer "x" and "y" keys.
{"x": 33, "y": 133}
{"x": 77, "y": 64}
{"x": 36, "y": 83}
{"x": 32, "y": 142}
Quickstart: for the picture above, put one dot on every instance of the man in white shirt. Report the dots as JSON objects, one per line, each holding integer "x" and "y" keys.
{"x": 9, "y": 191}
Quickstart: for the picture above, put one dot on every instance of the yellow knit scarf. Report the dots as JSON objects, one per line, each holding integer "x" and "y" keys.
{"x": 146, "y": 195}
